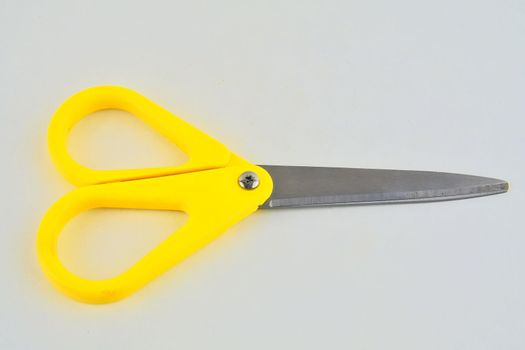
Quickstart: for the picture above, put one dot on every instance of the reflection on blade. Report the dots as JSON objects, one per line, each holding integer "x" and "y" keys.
{"x": 297, "y": 186}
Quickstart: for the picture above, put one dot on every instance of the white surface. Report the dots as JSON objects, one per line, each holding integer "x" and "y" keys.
{"x": 432, "y": 85}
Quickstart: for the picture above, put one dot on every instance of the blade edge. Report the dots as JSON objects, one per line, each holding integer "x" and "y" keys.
{"x": 300, "y": 178}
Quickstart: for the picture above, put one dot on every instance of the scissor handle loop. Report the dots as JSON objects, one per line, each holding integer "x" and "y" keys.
{"x": 203, "y": 151}
{"x": 212, "y": 199}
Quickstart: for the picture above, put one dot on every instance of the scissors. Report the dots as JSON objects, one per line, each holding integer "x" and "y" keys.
{"x": 215, "y": 187}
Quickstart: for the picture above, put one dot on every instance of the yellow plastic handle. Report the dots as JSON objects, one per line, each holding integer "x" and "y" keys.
{"x": 206, "y": 188}
{"x": 212, "y": 199}
{"x": 203, "y": 151}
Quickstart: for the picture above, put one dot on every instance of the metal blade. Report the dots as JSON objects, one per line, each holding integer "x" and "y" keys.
{"x": 298, "y": 186}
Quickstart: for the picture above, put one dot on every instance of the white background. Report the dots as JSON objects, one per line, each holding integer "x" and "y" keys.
{"x": 428, "y": 85}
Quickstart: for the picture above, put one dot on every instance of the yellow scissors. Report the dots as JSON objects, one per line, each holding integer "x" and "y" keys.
{"x": 215, "y": 187}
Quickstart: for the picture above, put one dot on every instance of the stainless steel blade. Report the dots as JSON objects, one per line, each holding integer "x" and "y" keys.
{"x": 299, "y": 186}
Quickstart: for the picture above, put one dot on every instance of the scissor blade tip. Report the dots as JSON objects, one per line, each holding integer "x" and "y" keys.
{"x": 503, "y": 185}
{"x": 499, "y": 184}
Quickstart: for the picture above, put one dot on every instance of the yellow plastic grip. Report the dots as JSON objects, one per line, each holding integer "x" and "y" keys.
{"x": 212, "y": 198}
{"x": 203, "y": 151}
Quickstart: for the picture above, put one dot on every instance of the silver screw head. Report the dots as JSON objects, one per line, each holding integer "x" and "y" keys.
{"x": 249, "y": 180}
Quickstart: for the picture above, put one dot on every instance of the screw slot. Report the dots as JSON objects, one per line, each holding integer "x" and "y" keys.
{"x": 249, "y": 180}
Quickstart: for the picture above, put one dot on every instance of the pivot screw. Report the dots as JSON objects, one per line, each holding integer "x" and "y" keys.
{"x": 249, "y": 180}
